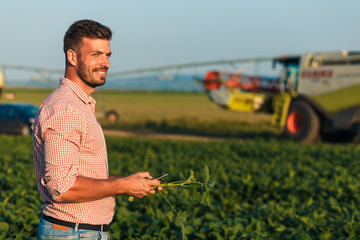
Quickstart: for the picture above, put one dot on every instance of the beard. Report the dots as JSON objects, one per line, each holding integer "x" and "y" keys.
{"x": 87, "y": 75}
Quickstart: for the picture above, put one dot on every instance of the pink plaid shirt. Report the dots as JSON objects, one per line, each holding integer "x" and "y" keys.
{"x": 68, "y": 142}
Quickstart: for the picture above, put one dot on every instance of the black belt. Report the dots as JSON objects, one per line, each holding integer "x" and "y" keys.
{"x": 102, "y": 228}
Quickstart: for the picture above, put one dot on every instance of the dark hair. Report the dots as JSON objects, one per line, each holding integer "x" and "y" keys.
{"x": 84, "y": 29}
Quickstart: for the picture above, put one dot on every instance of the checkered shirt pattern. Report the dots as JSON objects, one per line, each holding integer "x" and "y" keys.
{"x": 68, "y": 142}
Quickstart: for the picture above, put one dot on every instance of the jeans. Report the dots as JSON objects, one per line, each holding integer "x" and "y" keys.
{"x": 46, "y": 232}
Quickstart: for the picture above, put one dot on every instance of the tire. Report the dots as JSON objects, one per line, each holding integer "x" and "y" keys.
{"x": 302, "y": 123}
{"x": 112, "y": 116}
{"x": 356, "y": 132}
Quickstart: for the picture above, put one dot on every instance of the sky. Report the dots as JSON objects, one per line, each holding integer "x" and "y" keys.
{"x": 166, "y": 32}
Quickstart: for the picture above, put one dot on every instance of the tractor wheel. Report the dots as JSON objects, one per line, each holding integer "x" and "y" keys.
{"x": 302, "y": 123}
{"x": 356, "y": 132}
{"x": 112, "y": 116}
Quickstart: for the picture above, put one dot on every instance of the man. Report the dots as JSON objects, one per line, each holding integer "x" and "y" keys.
{"x": 69, "y": 149}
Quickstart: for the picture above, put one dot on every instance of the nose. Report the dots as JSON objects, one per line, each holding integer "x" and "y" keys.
{"x": 106, "y": 62}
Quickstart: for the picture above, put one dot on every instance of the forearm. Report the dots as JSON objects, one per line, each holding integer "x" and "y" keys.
{"x": 90, "y": 189}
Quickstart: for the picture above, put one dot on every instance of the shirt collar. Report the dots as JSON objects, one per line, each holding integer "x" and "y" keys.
{"x": 77, "y": 90}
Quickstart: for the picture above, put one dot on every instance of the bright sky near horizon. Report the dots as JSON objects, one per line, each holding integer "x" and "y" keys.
{"x": 164, "y": 32}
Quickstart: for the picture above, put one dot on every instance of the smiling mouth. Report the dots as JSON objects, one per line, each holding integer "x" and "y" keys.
{"x": 101, "y": 71}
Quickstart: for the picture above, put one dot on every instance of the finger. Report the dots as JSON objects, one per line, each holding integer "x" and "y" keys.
{"x": 155, "y": 183}
{"x": 152, "y": 192}
{"x": 143, "y": 174}
{"x": 147, "y": 175}
{"x": 142, "y": 195}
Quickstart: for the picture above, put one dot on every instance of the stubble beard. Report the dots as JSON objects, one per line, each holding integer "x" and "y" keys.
{"x": 86, "y": 76}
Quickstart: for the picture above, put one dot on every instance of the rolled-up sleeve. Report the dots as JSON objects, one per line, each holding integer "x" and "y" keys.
{"x": 61, "y": 133}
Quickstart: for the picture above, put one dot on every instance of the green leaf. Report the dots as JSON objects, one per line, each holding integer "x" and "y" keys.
{"x": 325, "y": 235}
{"x": 196, "y": 192}
{"x": 281, "y": 228}
{"x": 310, "y": 202}
{"x": 181, "y": 217}
{"x": 4, "y": 228}
{"x": 211, "y": 183}
{"x": 192, "y": 176}
{"x": 305, "y": 220}
{"x": 206, "y": 174}
{"x": 205, "y": 197}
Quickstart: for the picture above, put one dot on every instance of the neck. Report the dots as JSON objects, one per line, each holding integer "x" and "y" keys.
{"x": 71, "y": 74}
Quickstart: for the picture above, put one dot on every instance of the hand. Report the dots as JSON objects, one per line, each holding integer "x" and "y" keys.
{"x": 140, "y": 184}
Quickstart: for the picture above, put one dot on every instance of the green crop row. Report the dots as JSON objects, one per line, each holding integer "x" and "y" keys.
{"x": 264, "y": 190}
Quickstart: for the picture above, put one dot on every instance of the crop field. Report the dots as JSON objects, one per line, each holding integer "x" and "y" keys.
{"x": 265, "y": 189}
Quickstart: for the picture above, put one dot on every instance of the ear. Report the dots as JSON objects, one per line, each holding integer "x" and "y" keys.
{"x": 71, "y": 57}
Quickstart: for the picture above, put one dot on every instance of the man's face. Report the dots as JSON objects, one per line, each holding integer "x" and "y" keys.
{"x": 93, "y": 61}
